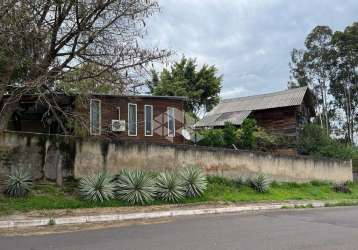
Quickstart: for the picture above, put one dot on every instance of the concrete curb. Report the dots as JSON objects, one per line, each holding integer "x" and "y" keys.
{"x": 149, "y": 215}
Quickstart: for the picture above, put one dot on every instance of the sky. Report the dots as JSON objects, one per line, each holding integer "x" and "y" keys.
{"x": 249, "y": 41}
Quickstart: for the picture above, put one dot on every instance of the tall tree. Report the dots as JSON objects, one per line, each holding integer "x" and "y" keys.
{"x": 312, "y": 67}
{"x": 202, "y": 87}
{"x": 344, "y": 84}
{"x": 50, "y": 39}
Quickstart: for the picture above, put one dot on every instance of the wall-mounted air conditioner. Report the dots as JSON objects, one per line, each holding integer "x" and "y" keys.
{"x": 118, "y": 125}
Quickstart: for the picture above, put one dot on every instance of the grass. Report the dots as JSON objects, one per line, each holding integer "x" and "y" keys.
{"x": 48, "y": 196}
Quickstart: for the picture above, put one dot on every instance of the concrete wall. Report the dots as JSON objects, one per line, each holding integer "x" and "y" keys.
{"x": 92, "y": 157}
{"x": 50, "y": 157}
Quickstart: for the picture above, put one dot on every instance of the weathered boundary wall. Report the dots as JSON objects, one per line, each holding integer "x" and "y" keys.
{"x": 92, "y": 157}
{"x": 51, "y": 157}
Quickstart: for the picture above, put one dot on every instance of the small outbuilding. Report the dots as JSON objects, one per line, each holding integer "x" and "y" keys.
{"x": 282, "y": 113}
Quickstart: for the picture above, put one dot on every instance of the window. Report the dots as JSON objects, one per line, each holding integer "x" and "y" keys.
{"x": 171, "y": 122}
{"x": 132, "y": 119}
{"x": 95, "y": 117}
{"x": 148, "y": 120}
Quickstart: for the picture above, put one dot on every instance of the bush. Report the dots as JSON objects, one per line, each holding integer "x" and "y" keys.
{"x": 312, "y": 138}
{"x": 18, "y": 184}
{"x": 97, "y": 188}
{"x": 169, "y": 187}
{"x": 260, "y": 183}
{"x": 135, "y": 186}
{"x": 229, "y": 134}
{"x": 341, "y": 188}
{"x": 194, "y": 181}
{"x": 212, "y": 138}
{"x": 264, "y": 141}
{"x": 246, "y": 133}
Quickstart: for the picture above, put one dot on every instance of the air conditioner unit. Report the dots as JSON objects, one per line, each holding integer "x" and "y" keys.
{"x": 118, "y": 125}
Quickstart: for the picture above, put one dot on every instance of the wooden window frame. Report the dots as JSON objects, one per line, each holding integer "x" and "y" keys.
{"x": 100, "y": 117}
{"x": 145, "y": 120}
{"x": 136, "y": 119}
{"x": 168, "y": 116}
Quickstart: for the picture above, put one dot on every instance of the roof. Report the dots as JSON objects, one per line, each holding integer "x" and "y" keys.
{"x": 236, "y": 110}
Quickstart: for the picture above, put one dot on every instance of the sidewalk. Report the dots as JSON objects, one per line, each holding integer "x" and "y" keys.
{"x": 96, "y": 215}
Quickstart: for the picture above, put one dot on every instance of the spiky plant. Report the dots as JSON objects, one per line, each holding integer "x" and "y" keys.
{"x": 135, "y": 186}
{"x": 18, "y": 184}
{"x": 170, "y": 187}
{"x": 260, "y": 183}
{"x": 97, "y": 188}
{"x": 194, "y": 181}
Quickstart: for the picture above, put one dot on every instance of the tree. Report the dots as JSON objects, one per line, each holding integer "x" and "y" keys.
{"x": 51, "y": 39}
{"x": 202, "y": 87}
{"x": 312, "y": 67}
{"x": 344, "y": 83}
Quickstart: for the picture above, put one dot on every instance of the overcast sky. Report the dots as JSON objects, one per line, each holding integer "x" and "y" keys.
{"x": 248, "y": 40}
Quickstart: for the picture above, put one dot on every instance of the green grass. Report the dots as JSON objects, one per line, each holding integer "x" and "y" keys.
{"x": 48, "y": 196}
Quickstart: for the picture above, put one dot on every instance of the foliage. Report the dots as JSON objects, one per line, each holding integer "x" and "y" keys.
{"x": 260, "y": 183}
{"x": 329, "y": 66}
{"x": 212, "y": 138}
{"x": 246, "y": 134}
{"x": 312, "y": 138}
{"x": 48, "y": 196}
{"x": 265, "y": 141}
{"x": 229, "y": 134}
{"x": 342, "y": 188}
{"x": 314, "y": 141}
{"x": 135, "y": 186}
{"x": 97, "y": 188}
{"x": 170, "y": 187}
{"x": 194, "y": 181}
{"x": 18, "y": 184}
{"x": 202, "y": 87}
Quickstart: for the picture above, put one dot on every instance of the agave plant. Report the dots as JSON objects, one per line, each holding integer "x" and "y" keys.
{"x": 194, "y": 181}
{"x": 135, "y": 186}
{"x": 260, "y": 183}
{"x": 170, "y": 187}
{"x": 18, "y": 184}
{"x": 97, "y": 188}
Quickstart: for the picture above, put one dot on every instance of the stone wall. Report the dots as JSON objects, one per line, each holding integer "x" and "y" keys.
{"x": 55, "y": 158}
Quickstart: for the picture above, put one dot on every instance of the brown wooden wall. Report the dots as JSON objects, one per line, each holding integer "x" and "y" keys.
{"x": 109, "y": 111}
{"x": 281, "y": 121}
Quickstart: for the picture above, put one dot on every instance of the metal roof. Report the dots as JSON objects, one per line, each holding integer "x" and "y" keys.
{"x": 237, "y": 109}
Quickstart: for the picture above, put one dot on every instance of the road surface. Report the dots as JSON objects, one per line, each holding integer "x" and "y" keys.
{"x": 313, "y": 229}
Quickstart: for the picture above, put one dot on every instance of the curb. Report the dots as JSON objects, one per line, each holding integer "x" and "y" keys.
{"x": 149, "y": 215}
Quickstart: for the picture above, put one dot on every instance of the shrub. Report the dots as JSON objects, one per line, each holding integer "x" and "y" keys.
{"x": 97, "y": 188}
{"x": 229, "y": 134}
{"x": 135, "y": 186}
{"x": 260, "y": 183}
{"x": 264, "y": 141}
{"x": 18, "y": 184}
{"x": 212, "y": 138}
{"x": 341, "y": 188}
{"x": 169, "y": 187}
{"x": 312, "y": 138}
{"x": 246, "y": 133}
{"x": 194, "y": 181}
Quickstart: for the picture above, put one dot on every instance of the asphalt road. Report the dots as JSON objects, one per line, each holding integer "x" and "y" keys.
{"x": 328, "y": 228}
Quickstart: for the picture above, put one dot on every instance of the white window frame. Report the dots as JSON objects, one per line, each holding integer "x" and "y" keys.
{"x": 145, "y": 120}
{"x": 100, "y": 117}
{"x": 168, "y": 116}
{"x": 136, "y": 119}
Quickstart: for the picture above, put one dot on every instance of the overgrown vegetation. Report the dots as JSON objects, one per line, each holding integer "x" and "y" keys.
{"x": 219, "y": 189}
{"x": 313, "y": 140}
{"x": 249, "y": 136}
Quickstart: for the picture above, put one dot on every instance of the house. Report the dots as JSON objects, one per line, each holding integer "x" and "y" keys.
{"x": 282, "y": 113}
{"x": 139, "y": 118}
